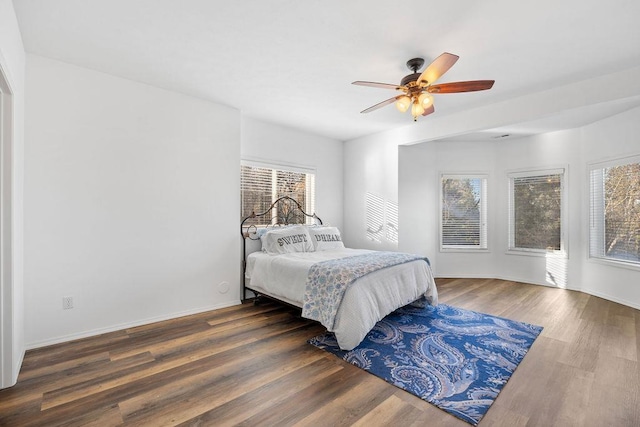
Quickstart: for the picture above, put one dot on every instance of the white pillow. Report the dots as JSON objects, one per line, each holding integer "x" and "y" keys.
{"x": 326, "y": 238}
{"x": 287, "y": 240}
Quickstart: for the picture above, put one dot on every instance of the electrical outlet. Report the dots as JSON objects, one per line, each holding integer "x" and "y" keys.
{"x": 223, "y": 287}
{"x": 67, "y": 303}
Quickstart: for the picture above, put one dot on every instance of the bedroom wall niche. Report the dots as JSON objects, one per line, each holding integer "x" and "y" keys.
{"x": 420, "y": 166}
{"x": 413, "y": 173}
{"x": 420, "y": 190}
{"x": 277, "y": 145}
{"x": 132, "y": 203}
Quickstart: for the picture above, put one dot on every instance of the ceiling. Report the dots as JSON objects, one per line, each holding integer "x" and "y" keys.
{"x": 291, "y": 62}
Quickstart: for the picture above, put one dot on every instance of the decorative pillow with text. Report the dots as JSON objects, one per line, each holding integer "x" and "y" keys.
{"x": 326, "y": 238}
{"x": 286, "y": 240}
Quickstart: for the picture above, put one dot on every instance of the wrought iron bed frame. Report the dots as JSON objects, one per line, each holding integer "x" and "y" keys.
{"x": 275, "y": 221}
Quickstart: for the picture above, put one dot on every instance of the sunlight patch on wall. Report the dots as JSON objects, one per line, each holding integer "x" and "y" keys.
{"x": 556, "y": 274}
{"x": 381, "y": 219}
{"x": 391, "y": 212}
{"x": 374, "y": 216}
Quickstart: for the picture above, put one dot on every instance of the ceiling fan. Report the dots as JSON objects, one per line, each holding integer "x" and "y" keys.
{"x": 417, "y": 87}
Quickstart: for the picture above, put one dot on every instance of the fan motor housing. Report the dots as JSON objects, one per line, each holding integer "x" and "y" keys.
{"x": 409, "y": 78}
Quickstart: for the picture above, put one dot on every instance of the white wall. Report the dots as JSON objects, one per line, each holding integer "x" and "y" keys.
{"x": 131, "y": 197}
{"x": 420, "y": 165}
{"x": 12, "y": 64}
{"x": 614, "y": 137}
{"x": 371, "y": 168}
{"x": 420, "y": 203}
{"x": 545, "y": 151}
{"x": 271, "y": 143}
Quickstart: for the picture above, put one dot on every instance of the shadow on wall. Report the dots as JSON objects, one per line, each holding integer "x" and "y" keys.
{"x": 381, "y": 219}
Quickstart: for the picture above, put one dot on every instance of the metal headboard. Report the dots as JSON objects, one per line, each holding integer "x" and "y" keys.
{"x": 289, "y": 211}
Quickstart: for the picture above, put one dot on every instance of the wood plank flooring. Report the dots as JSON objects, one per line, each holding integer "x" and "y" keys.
{"x": 250, "y": 365}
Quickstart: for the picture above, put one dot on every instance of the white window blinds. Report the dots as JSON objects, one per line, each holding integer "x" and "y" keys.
{"x": 614, "y": 232}
{"x": 261, "y": 184}
{"x": 536, "y": 211}
{"x": 463, "y": 217}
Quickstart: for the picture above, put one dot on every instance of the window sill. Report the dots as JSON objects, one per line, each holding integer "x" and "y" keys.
{"x": 538, "y": 253}
{"x": 615, "y": 263}
{"x": 465, "y": 250}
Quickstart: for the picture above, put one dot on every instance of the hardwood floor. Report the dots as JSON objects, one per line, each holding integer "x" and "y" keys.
{"x": 250, "y": 365}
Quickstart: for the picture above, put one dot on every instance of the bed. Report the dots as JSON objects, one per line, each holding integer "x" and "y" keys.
{"x": 307, "y": 266}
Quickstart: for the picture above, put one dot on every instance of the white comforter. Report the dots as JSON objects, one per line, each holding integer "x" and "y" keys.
{"x": 367, "y": 300}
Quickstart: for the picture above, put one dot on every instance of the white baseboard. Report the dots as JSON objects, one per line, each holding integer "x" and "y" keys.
{"x": 13, "y": 378}
{"x": 512, "y": 279}
{"x": 610, "y": 298}
{"x": 121, "y": 326}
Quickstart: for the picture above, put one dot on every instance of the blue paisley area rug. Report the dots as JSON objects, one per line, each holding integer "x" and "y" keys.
{"x": 456, "y": 359}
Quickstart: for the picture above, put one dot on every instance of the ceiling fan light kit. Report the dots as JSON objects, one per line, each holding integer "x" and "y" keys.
{"x": 418, "y": 87}
{"x": 403, "y": 103}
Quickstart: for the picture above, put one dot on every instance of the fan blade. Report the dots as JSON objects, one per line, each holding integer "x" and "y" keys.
{"x": 381, "y": 104}
{"x": 470, "y": 86}
{"x": 429, "y": 110}
{"x": 437, "y": 68}
{"x": 380, "y": 85}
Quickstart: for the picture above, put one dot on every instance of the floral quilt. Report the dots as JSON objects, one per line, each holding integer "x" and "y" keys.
{"x": 328, "y": 281}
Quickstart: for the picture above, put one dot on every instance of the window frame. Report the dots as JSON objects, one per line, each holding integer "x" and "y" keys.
{"x": 484, "y": 226}
{"x": 599, "y": 223}
{"x": 310, "y": 196}
{"x": 563, "y": 171}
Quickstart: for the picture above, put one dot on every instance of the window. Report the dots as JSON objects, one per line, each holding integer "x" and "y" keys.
{"x": 261, "y": 184}
{"x": 536, "y": 209}
{"x": 463, "y": 222}
{"x": 615, "y": 210}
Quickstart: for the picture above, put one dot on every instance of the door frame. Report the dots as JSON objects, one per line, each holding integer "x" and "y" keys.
{"x": 6, "y": 234}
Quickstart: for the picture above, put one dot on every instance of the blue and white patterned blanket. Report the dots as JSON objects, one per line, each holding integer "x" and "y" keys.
{"x": 328, "y": 281}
